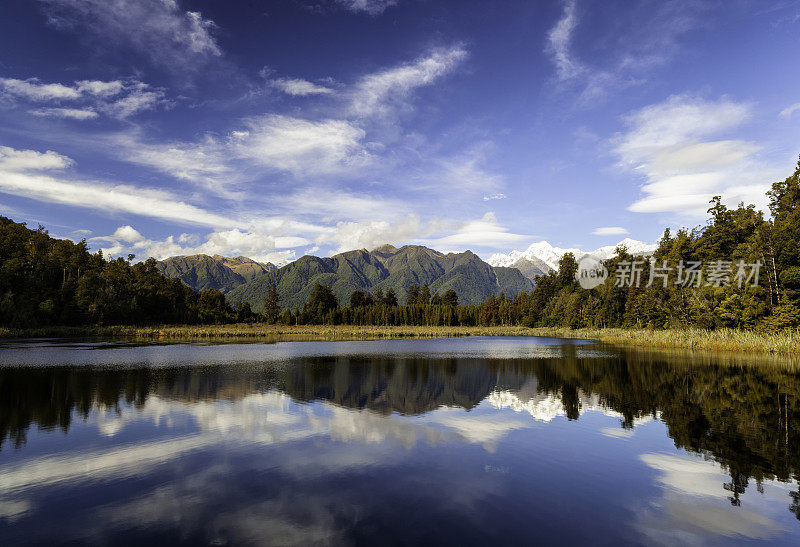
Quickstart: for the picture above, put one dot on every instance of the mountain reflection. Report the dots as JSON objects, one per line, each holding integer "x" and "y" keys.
{"x": 743, "y": 417}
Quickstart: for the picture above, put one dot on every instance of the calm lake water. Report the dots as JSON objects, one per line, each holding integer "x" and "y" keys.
{"x": 467, "y": 441}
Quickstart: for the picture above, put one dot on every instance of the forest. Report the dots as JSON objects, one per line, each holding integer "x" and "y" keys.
{"x": 49, "y": 281}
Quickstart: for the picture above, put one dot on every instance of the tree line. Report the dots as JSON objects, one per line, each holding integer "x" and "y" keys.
{"x": 731, "y": 235}
{"x": 48, "y": 281}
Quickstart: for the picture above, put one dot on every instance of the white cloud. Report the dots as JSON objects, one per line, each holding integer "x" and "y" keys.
{"x": 789, "y": 110}
{"x": 642, "y": 37}
{"x": 28, "y": 173}
{"x": 299, "y": 87}
{"x": 485, "y": 232}
{"x": 677, "y": 121}
{"x": 342, "y": 204}
{"x": 67, "y": 113}
{"x": 373, "y": 233}
{"x": 140, "y": 97}
{"x": 610, "y": 231}
{"x": 12, "y": 160}
{"x": 257, "y": 245}
{"x": 467, "y": 172}
{"x": 376, "y": 94}
{"x": 299, "y": 146}
{"x": 280, "y": 143}
{"x": 673, "y": 146}
{"x": 159, "y": 29}
{"x": 371, "y": 7}
{"x": 559, "y": 43}
{"x": 100, "y": 88}
{"x": 117, "y": 98}
{"x": 32, "y": 90}
{"x": 494, "y": 196}
{"x": 128, "y": 234}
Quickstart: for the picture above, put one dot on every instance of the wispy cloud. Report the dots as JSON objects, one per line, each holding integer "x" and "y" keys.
{"x": 158, "y": 29}
{"x": 641, "y": 38}
{"x": 39, "y": 175}
{"x": 789, "y": 110}
{"x": 118, "y": 98}
{"x": 281, "y": 144}
{"x": 609, "y": 231}
{"x": 68, "y": 113}
{"x": 672, "y": 145}
{"x": 378, "y": 93}
{"x": 559, "y": 43}
{"x": 371, "y": 7}
{"x": 484, "y": 232}
{"x": 299, "y": 87}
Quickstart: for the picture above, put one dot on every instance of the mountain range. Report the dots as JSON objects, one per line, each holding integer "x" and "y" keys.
{"x": 384, "y": 268}
{"x": 541, "y": 258}
{"x": 202, "y": 272}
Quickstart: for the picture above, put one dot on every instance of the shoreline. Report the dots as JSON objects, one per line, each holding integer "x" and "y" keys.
{"x": 785, "y": 343}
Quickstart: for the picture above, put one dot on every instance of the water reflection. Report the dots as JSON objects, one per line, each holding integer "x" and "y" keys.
{"x": 320, "y": 443}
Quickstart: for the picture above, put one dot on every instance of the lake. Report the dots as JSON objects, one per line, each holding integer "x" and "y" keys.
{"x": 467, "y": 441}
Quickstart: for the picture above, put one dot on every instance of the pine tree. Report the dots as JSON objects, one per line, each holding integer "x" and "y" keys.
{"x": 272, "y": 308}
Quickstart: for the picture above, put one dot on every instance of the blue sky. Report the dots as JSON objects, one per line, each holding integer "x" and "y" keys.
{"x": 276, "y": 129}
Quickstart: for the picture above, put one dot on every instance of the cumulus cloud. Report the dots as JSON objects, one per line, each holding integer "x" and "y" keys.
{"x": 158, "y": 29}
{"x": 373, "y": 233}
{"x": 257, "y": 245}
{"x": 674, "y": 146}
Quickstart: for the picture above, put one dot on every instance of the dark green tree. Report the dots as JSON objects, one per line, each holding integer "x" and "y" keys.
{"x": 321, "y": 302}
{"x": 450, "y": 298}
{"x": 412, "y": 298}
{"x": 272, "y": 306}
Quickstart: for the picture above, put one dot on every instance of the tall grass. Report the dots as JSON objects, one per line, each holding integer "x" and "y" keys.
{"x": 728, "y": 340}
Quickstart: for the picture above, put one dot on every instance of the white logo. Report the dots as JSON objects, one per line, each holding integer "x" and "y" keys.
{"x": 591, "y": 272}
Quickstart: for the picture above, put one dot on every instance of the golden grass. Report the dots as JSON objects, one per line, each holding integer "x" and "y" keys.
{"x": 728, "y": 340}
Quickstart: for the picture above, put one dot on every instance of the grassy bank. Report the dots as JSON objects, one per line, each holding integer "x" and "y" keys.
{"x": 718, "y": 340}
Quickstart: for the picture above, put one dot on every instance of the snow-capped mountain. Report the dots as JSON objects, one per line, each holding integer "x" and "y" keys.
{"x": 545, "y": 256}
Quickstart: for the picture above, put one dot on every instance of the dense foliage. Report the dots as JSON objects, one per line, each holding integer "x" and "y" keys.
{"x": 46, "y": 281}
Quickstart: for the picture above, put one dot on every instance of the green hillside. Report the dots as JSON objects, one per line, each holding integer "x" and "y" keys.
{"x": 384, "y": 268}
{"x": 202, "y": 272}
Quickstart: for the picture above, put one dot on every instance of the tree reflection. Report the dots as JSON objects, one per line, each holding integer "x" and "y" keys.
{"x": 744, "y": 417}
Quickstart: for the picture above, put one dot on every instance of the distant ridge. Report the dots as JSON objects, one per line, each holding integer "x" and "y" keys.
{"x": 202, "y": 272}
{"x": 384, "y": 268}
{"x": 541, "y": 257}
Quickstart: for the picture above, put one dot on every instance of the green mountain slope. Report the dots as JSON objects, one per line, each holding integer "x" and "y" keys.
{"x": 383, "y": 268}
{"x": 202, "y": 272}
